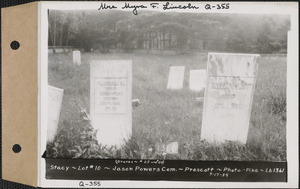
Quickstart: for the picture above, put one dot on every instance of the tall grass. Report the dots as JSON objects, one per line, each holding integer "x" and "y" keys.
{"x": 167, "y": 115}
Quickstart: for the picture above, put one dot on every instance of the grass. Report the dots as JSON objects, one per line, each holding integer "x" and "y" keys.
{"x": 166, "y": 115}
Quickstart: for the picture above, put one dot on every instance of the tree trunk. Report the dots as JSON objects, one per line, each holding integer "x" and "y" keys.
{"x": 164, "y": 41}
{"x": 51, "y": 36}
{"x": 157, "y": 41}
{"x": 54, "y": 31}
{"x": 67, "y": 40}
{"x": 61, "y": 35}
{"x": 150, "y": 41}
{"x": 160, "y": 48}
{"x": 170, "y": 40}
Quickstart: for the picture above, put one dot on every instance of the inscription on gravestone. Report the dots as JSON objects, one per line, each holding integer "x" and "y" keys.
{"x": 228, "y": 97}
{"x": 55, "y": 96}
{"x": 176, "y": 76}
{"x": 110, "y": 95}
{"x": 197, "y": 80}
{"x": 110, "y": 100}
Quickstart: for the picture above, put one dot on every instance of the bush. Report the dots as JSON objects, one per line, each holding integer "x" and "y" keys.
{"x": 277, "y": 105}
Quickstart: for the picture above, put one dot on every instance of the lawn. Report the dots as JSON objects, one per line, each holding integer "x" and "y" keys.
{"x": 167, "y": 115}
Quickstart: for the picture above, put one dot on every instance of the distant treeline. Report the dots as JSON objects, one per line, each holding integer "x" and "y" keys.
{"x": 105, "y": 30}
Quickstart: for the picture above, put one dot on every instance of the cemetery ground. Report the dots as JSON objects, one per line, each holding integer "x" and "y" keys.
{"x": 166, "y": 115}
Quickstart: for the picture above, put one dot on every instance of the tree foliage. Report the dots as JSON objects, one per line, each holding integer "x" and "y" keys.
{"x": 105, "y": 30}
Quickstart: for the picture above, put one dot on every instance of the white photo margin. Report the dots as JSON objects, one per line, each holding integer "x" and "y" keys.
{"x": 290, "y": 8}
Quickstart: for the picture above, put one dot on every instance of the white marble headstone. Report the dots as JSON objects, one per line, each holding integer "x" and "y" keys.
{"x": 197, "y": 80}
{"x": 228, "y": 97}
{"x": 55, "y": 96}
{"x": 110, "y": 100}
{"x": 77, "y": 57}
{"x": 176, "y": 76}
{"x": 172, "y": 148}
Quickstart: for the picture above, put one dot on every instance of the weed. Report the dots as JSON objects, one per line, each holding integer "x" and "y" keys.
{"x": 166, "y": 115}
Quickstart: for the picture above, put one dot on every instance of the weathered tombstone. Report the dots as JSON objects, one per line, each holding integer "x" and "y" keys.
{"x": 50, "y": 51}
{"x": 228, "y": 97}
{"x": 136, "y": 102}
{"x": 166, "y": 148}
{"x": 176, "y": 76}
{"x": 172, "y": 148}
{"x": 199, "y": 100}
{"x": 55, "y": 96}
{"x": 76, "y": 57}
{"x": 197, "y": 80}
{"x": 110, "y": 100}
{"x": 58, "y": 50}
{"x": 160, "y": 148}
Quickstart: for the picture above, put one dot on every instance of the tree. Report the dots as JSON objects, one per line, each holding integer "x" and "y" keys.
{"x": 241, "y": 35}
{"x": 174, "y": 31}
{"x": 272, "y": 36}
{"x": 57, "y": 22}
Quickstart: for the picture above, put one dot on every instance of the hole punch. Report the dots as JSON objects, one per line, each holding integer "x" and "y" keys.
{"x": 16, "y": 148}
{"x": 15, "y": 45}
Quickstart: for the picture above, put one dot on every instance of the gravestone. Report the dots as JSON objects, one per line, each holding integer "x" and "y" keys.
{"x": 136, "y": 102}
{"x": 55, "y": 96}
{"x": 110, "y": 100}
{"x": 197, "y": 80}
{"x": 228, "y": 97}
{"x": 172, "y": 148}
{"x": 77, "y": 57}
{"x": 199, "y": 99}
{"x": 176, "y": 76}
{"x": 166, "y": 148}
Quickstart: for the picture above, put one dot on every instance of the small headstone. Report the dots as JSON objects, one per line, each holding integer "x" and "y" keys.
{"x": 136, "y": 102}
{"x": 55, "y": 96}
{"x": 176, "y": 76}
{"x": 76, "y": 57}
{"x": 228, "y": 97}
{"x": 59, "y": 50}
{"x": 110, "y": 100}
{"x": 167, "y": 148}
{"x": 197, "y": 80}
{"x": 172, "y": 148}
{"x": 199, "y": 99}
{"x": 50, "y": 51}
{"x": 160, "y": 148}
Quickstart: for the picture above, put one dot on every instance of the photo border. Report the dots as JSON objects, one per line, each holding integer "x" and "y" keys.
{"x": 235, "y": 7}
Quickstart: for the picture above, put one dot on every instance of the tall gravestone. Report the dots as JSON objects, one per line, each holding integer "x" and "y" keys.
{"x": 110, "y": 100}
{"x": 197, "y": 80}
{"x": 176, "y": 76}
{"x": 228, "y": 97}
{"x": 55, "y": 96}
{"x": 77, "y": 57}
